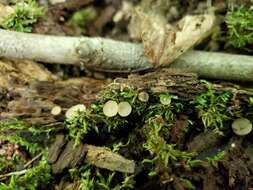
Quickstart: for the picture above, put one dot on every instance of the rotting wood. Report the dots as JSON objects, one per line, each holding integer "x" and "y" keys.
{"x": 33, "y": 103}
{"x": 104, "y": 158}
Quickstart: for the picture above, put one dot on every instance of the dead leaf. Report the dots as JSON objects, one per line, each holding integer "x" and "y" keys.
{"x": 5, "y": 11}
{"x": 21, "y": 72}
{"x": 163, "y": 43}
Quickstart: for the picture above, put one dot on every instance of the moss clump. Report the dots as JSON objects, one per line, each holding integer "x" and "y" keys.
{"x": 91, "y": 178}
{"x": 240, "y": 26}
{"x": 212, "y": 108}
{"x": 82, "y": 17}
{"x": 26, "y": 141}
{"x": 94, "y": 120}
{"x": 25, "y": 14}
{"x": 163, "y": 155}
{"x": 31, "y": 179}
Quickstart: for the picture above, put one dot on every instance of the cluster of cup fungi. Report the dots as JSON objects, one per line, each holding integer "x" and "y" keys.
{"x": 111, "y": 108}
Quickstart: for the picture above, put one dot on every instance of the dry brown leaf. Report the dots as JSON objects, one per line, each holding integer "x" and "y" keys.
{"x": 5, "y": 11}
{"x": 164, "y": 43}
{"x": 21, "y": 72}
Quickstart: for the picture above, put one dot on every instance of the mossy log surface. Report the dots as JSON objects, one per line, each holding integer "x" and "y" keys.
{"x": 34, "y": 102}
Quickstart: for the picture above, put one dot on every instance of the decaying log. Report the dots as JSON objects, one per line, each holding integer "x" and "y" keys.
{"x": 109, "y": 55}
{"x": 33, "y": 102}
{"x": 104, "y": 158}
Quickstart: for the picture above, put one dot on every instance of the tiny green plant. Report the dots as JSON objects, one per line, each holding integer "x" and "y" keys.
{"x": 166, "y": 107}
{"x": 92, "y": 178}
{"x": 216, "y": 157}
{"x": 163, "y": 155}
{"x": 15, "y": 128}
{"x": 81, "y": 17}
{"x": 117, "y": 146}
{"x": 251, "y": 101}
{"x": 212, "y": 108}
{"x": 240, "y": 27}
{"x": 30, "y": 147}
{"x": 32, "y": 179}
{"x": 80, "y": 125}
{"x": 25, "y": 14}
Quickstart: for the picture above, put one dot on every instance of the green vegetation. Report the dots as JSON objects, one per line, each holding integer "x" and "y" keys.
{"x": 25, "y": 14}
{"x": 81, "y": 17}
{"x": 240, "y": 26}
{"x": 216, "y": 157}
{"x": 251, "y": 101}
{"x": 22, "y": 136}
{"x": 165, "y": 107}
{"x": 163, "y": 155}
{"x": 93, "y": 119}
{"x": 31, "y": 179}
{"x": 91, "y": 178}
{"x": 212, "y": 108}
{"x": 80, "y": 125}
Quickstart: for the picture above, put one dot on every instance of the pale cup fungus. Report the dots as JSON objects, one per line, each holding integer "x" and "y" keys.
{"x": 56, "y": 110}
{"x": 242, "y": 126}
{"x": 124, "y": 109}
{"x": 110, "y": 108}
{"x": 73, "y": 111}
{"x": 143, "y": 96}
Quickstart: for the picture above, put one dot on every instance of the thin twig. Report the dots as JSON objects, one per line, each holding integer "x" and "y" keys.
{"x": 4, "y": 176}
{"x": 32, "y": 160}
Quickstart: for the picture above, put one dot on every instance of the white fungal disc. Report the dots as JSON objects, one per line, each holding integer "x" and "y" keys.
{"x": 110, "y": 108}
{"x": 143, "y": 96}
{"x": 124, "y": 109}
{"x": 56, "y": 110}
{"x": 242, "y": 126}
{"x": 73, "y": 111}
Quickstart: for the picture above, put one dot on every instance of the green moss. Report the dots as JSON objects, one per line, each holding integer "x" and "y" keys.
{"x": 250, "y": 101}
{"x": 81, "y": 124}
{"x": 240, "y": 26}
{"x": 81, "y": 17}
{"x": 93, "y": 119}
{"x": 15, "y": 139}
{"x": 163, "y": 155}
{"x": 24, "y": 15}
{"x": 91, "y": 178}
{"x": 23, "y": 135}
{"x": 17, "y": 132}
{"x": 32, "y": 179}
{"x": 216, "y": 157}
{"x": 212, "y": 108}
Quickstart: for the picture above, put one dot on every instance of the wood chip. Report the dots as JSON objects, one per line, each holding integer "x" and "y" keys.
{"x": 104, "y": 158}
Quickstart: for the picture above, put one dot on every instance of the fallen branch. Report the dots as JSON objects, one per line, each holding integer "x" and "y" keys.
{"x": 109, "y": 55}
{"x": 92, "y": 52}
